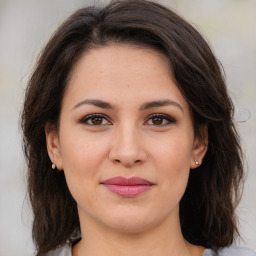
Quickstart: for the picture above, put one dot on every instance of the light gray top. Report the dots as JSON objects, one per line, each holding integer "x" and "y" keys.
{"x": 227, "y": 251}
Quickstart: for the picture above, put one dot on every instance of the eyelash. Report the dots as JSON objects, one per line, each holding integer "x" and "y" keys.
{"x": 165, "y": 117}
{"x": 85, "y": 119}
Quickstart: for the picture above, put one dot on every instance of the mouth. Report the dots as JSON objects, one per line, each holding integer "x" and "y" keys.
{"x": 127, "y": 187}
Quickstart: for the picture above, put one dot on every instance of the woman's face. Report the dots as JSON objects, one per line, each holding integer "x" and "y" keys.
{"x": 123, "y": 117}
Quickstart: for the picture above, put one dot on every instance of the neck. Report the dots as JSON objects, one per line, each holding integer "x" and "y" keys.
{"x": 164, "y": 239}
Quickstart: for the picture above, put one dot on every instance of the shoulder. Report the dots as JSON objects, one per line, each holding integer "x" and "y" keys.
{"x": 231, "y": 251}
{"x": 227, "y": 251}
{"x": 66, "y": 250}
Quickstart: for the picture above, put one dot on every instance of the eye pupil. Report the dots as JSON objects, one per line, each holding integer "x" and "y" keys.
{"x": 157, "y": 120}
{"x": 97, "y": 120}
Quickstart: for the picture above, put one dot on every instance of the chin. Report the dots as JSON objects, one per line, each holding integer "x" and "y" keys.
{"x": 134, "y": 222}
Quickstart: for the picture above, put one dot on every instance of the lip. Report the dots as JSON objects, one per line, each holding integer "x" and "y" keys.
{"x": 127, "y": 187}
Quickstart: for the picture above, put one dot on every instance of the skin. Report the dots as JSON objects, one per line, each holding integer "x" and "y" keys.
{"x": 125, "y": 140}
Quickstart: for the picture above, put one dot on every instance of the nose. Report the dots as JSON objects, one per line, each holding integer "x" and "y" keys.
{"x": 127, "y": 147}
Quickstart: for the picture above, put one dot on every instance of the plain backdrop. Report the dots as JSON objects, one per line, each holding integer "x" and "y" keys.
{"x": 25, "y": 27}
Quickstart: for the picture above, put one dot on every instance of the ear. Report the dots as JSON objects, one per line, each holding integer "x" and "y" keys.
{"x": 199, "y": 147}
{"x": 53, "y": 145}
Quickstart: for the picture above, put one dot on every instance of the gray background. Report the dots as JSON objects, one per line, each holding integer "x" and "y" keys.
{"x": 25, "y": 26}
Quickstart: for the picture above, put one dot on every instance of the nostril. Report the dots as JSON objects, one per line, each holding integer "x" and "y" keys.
{"x": 127, "y": 156}
{"x": 127, "y": 163}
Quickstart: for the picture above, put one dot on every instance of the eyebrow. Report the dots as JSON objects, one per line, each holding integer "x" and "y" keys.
{"x": 160, "y": 103}
{"x": 95, "y": 102}
{"x": 145, "y": 106}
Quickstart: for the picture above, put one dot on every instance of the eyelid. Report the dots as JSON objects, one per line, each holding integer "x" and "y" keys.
{"x": 84, "y": 119}
{"x": 161, "y": 115}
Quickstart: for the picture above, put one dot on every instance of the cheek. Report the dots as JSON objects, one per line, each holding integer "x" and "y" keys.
{"x": 172, "y": 159}
{"x": 174, "y": 153}
{"x": 81, "y": 152}
{"x": 81, "y": 158}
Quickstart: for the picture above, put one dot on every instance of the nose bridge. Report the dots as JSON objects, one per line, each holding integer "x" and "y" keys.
{"x": 126, "y": 135}
{"x": 127, "y": 147}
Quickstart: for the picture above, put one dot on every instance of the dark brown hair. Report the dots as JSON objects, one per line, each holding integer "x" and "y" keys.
{"x": 207, "y": 207}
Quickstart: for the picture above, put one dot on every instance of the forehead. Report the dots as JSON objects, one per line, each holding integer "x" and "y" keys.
{"x": 124, "y": 58}
{"x": 122, "y": 72}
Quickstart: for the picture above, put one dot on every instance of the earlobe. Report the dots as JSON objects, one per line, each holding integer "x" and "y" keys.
{"x": 53, "y": 145}
{"x": 199, "y": 148}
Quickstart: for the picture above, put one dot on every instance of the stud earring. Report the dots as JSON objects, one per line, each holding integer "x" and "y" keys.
{"x": 196, "y": 162}
{"x": 53, "y": 166}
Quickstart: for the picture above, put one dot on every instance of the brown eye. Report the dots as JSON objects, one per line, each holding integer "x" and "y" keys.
{"x": 160, "y": 120}
{"x": 157, "y": 120}
{"x": 95, "y": 120}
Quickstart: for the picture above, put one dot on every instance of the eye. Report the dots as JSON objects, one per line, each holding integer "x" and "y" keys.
{"x": 159, "y": 120}
{"x": 94, "y": 120}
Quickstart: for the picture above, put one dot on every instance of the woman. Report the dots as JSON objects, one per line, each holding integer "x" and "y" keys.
{"x": 128, "y": 106}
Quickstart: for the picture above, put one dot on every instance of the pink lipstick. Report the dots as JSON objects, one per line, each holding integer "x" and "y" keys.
{"x": 127, "y": 187}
